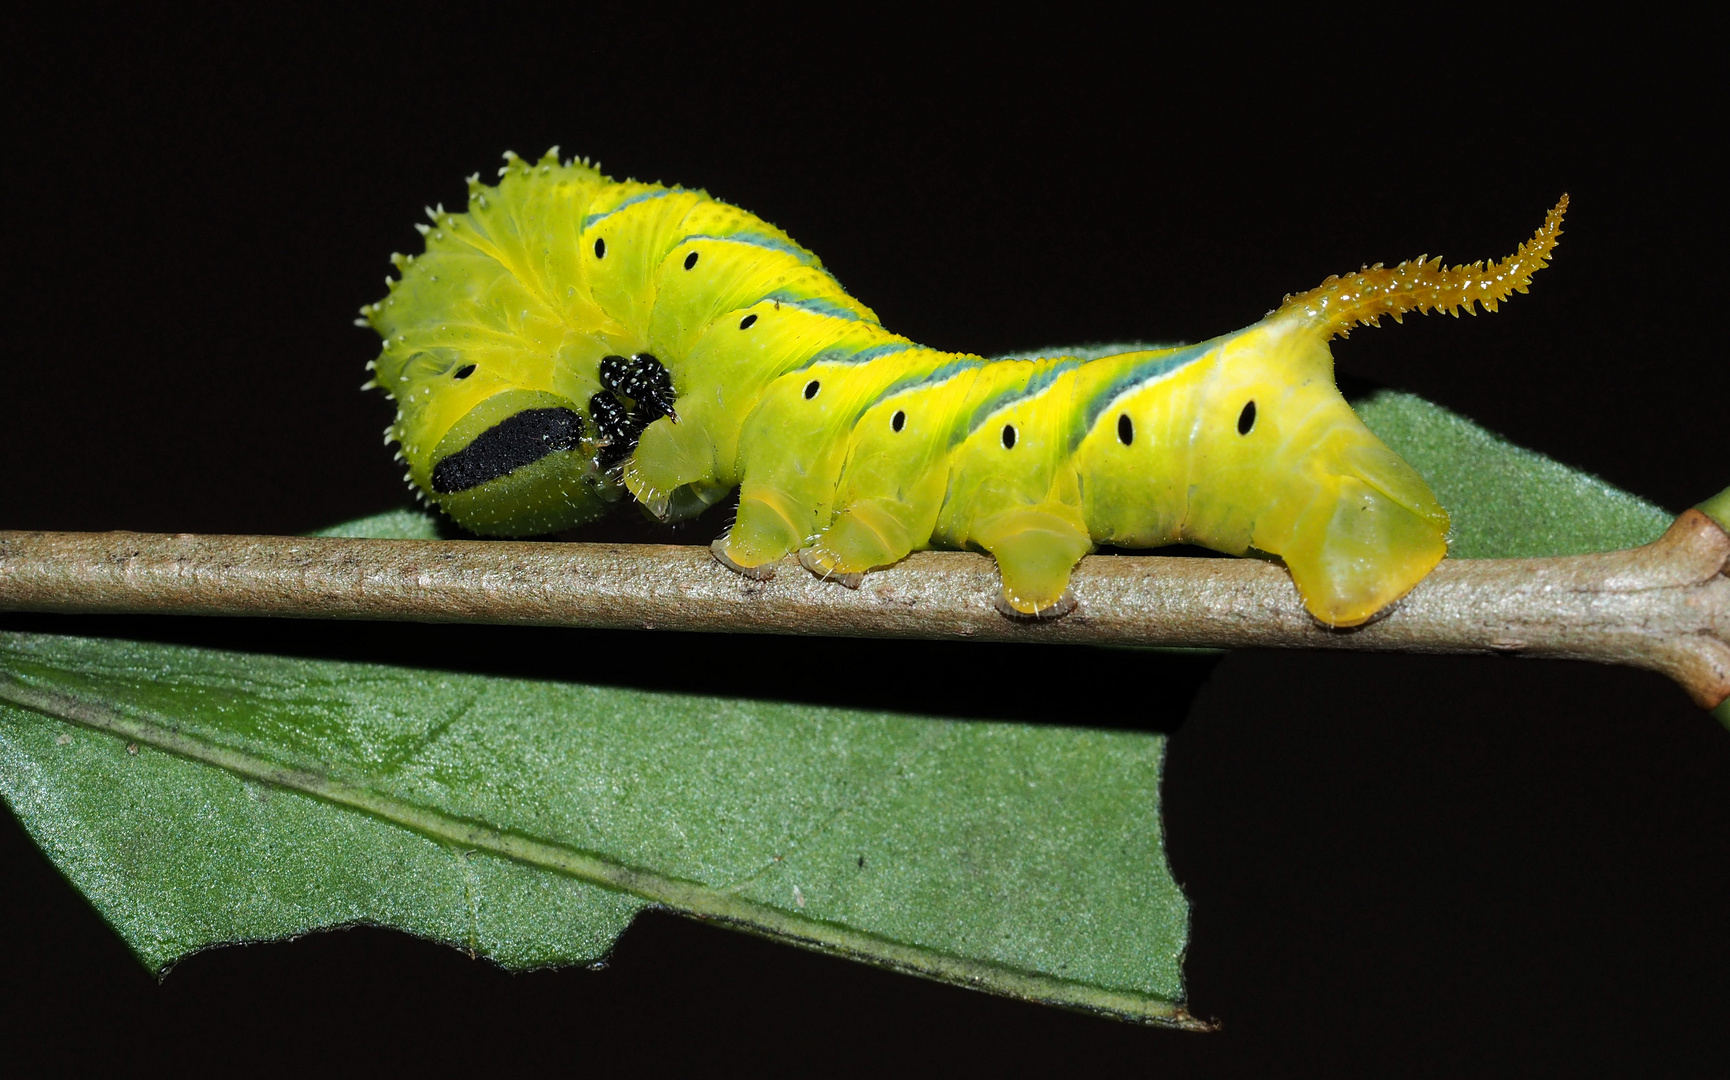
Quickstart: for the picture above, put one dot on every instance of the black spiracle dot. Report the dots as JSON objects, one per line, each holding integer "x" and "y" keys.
{"x": 600, "y": 248}
{"x": 1125, "y": 429}
{"x": 745, "y": 323}
{"x": 811, "y": 389}
{"x": 1246, "y": 419}
{"x": 1008, "y": 436}
{"x": 898, "y": 421}
{"x": 464, "y": 372}
{"x": 690, "y": 260}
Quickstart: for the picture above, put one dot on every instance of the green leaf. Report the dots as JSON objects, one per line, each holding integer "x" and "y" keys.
{"x": 393, "y": 525}
{"x": 530, "y": 820}
{"x": 200, "y": 796}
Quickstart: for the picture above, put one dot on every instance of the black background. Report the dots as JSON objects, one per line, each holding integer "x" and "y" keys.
{"x": 1397, "y": 864}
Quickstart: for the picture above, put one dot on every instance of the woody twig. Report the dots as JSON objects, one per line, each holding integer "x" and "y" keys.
{"x": 1664, "y": 606}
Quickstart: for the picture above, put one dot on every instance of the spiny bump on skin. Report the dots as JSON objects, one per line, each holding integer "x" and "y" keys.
{"x": 1423, "y": 285}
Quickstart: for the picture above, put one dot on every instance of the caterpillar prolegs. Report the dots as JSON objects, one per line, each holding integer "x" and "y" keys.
{"x": 571, "y": 339}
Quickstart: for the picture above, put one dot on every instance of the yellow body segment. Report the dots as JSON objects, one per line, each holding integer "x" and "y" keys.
{"x": 794, "y": 446}
{"x": 1258, "y": 449}
{"x": 893, "y": 484}
{"x": 1012, "y": 483}
{"x": 852, "y": 446}
{"x": 720, "y": 381}
{"x": 1136, "y": 493}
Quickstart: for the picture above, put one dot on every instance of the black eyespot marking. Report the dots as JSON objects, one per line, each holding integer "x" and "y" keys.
{"x": 745, "y": 323}
{"x": 1246, "y": 419}
{"x": 600, "y": 248}
{"x": 811, "y": 389}
{"x": 1008, "y": 436}
{"x": 1125, "y": 430}
{"x": 507, "y": 446}
{"x": 464, "y": 372}
{"x": 898, "y": 421}
{"x": 690, "y": 260}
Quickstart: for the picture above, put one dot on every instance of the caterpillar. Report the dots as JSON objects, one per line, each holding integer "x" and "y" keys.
{"x": 570, "y": 340}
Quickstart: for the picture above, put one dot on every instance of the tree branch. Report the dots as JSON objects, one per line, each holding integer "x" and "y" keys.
{"x": 1664, "y": 606}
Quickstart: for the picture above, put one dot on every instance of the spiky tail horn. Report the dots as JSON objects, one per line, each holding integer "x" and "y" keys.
{"x": 1339, "y": 303}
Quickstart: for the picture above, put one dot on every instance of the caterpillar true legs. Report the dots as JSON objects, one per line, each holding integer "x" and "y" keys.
{"x": 570, "y": 339}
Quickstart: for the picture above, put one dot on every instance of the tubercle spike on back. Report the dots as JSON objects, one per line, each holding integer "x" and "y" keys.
{"x": 1423, "y": 285}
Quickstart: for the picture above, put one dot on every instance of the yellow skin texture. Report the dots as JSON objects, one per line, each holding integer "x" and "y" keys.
{"x": 854, "y": 447}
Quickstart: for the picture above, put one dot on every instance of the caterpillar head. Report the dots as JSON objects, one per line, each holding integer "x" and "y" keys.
{"x": 490, "y": 383}
{"x": 500, "y": 458}
{"x": 517, "y": 463}
{"x": 1280, "y": 462}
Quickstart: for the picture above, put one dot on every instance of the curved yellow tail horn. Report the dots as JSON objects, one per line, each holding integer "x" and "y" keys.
{"x": 1422, "y": 285}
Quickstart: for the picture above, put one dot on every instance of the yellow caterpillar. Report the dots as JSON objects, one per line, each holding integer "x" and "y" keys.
{"x": 572, "y": 338}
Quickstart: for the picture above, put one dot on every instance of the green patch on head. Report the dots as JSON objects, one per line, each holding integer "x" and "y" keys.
{"x": 518, "y": 464}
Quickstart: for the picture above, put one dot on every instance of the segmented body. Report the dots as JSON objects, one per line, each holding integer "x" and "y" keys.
{"x": 571, "y": 339}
